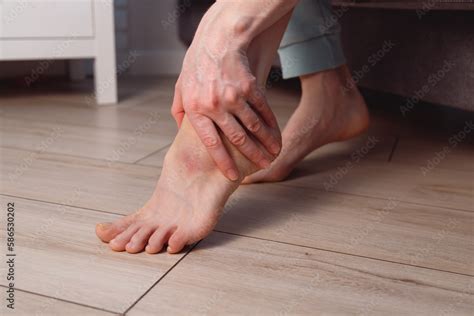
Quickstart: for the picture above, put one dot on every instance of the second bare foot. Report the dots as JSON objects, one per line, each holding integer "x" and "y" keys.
{"x": 331, "y": 109}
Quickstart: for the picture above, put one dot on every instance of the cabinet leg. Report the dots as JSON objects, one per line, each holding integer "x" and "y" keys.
{"x": 105, "y": 81}
{"x": 104, "y": 63}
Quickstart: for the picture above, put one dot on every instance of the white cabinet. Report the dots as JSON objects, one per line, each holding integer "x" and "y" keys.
{"x": 62, "y": 29}
{"x": 39, "y": 19}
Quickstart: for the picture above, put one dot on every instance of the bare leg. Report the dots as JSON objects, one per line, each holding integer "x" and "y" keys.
{"x": 331, "y": 109}
{"x": 191, "y": 191}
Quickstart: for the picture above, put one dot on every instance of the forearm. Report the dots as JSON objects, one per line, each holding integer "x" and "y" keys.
{"x": 235, "y": 23}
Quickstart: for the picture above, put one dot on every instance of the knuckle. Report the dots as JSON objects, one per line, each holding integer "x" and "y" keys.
{"x": 210, "y": 141}
{"x": 255, "y": 126}
{"x": 209, "y": 108}
{"x": 231, "y": 95}
{"x": 238, "y": 138}
{"x": 247, "y": 86}
{"x": 211, "y": 105}
{"x": 213, "y": 101}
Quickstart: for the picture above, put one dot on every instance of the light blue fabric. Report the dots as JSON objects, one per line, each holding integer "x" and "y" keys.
{"x": 311, "y": 42}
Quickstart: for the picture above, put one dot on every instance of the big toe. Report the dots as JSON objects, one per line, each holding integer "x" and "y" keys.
{"x": 265, "y": 175}
{"x": 107, "y": 231}
{"x": 255, "y": 177}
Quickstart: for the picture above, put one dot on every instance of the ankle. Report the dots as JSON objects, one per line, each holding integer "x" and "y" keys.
{"x": 333, "y": 82}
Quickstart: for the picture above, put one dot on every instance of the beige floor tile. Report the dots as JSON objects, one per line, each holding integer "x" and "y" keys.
{"x": 435, "y": 153}
{"x": 438, "y": 187}
{"x": 156, "y": 119}
{"x": 155, "y": 159}
{"x": 235, "y": 275}
{"x": 27, "y": 304}
{"x": 384, "y": 229}
{"x": 98, "y": 143}
{"x": 82, "y": 182}
{"x": 58, "y": 254}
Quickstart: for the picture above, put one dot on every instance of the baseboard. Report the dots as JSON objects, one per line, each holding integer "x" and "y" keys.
{"x": 157, "y": 62}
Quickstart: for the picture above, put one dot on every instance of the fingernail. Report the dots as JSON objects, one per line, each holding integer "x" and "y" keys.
{"x": 264, "y": 163}
{"x": 232, "y": 174}
{"x": 275, "y": 148}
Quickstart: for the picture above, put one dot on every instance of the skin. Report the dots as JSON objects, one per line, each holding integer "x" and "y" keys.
{"x": 177, "y": 214}
{"x": 331, "y": 109}
{"x": 218, "y": 90}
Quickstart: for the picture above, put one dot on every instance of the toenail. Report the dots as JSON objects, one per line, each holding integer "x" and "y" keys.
{"x": 130, "y": 245}
{"x": 105, "y": 225}
{"x": 169, "y": 249}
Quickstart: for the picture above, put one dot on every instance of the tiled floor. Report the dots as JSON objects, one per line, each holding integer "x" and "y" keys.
{"x": 382, "y": 224}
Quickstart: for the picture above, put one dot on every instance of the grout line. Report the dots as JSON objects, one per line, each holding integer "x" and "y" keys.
{"x": 151, "y": 154}
{"x": 161, "y": 278}
{"x": 394, "y": 147}
{"x": 342, "y": 253}
{"x": 64, "y": 300}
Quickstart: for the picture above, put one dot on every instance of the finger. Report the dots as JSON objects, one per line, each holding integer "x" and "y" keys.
{"x": 241, "y": 140}
{"x": 177, "y": 109}
{"x": 258, "y": 128}
{"x": 258, "y": 101}
{"x": 209, "y": 136}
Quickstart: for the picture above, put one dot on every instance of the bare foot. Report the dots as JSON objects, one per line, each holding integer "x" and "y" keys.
{"x": 191, "y": 191}
{"x": 185, "y": 205}
{"x": 331, "y": 109}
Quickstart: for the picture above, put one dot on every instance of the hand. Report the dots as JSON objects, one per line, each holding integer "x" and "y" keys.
{"x": 217, "y": 89}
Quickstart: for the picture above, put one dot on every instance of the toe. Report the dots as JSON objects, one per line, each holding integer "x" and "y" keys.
{"x": 108, "y": 231}
{"x": 105, "y": 231}
{"x": 256, "y": 177}
{"x": 267, "y": 175}
{"x": 139, "y": 240}
{"x": 157, "y": 240}
{"x": 177, "y": 241}
{"x": 119, "y": 242}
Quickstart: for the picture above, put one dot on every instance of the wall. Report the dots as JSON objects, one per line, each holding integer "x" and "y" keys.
{"x": 153, "y": 35}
